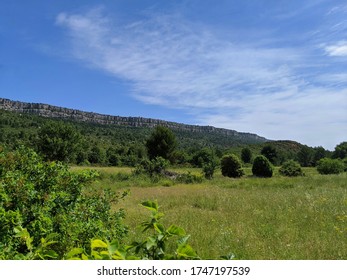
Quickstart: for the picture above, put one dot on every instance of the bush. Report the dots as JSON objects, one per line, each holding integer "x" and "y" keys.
{"x": 291, "y": 168}
{"x": 330, "y": 166}
{"x": 231, "y": 166}
{"x": 42, "y": 203}
{"x": 262, "y": 167}
{"x": 152, "y": 167}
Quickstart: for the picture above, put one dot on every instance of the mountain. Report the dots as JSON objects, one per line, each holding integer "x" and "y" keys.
{"x": 51, "y": 111}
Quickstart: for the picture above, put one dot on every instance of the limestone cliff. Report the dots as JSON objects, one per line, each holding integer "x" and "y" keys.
{"x": 50, "y": 111}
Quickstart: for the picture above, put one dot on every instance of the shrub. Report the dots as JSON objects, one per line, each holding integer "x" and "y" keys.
{"x": 291, "y": 168}
{"x": 152, "y": 167}
{"x": 231, "y": 166}
{"x": 330, "y": 166}
{"x": 43, "y": 202}
{"x": 262, "y": 167}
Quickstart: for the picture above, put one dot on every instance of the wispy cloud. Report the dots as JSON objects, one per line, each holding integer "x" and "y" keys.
{"x": 175, "y": 63}
{"x": 339, "y": 49}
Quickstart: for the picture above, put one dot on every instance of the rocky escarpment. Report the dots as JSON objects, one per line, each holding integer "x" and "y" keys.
{"x": 50, "y": 111}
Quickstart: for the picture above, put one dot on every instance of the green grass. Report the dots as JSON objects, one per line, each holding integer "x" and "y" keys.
{"x": 254, "y": 218}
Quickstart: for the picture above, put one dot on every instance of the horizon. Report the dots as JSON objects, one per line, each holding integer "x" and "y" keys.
{"x": 271, "y": 68}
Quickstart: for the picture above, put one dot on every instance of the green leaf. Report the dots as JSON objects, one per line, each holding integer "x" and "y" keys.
{"x": 175, "y": 230}
{"x": 150, "y": 205}
{"x": 113, "y": 247}
{"x": 159, "y": 228}
{"x": 187, "y": 252}
{"x": 97, "y": 243}
{"x": 183, "y": 240}
{"x": 73, "y": 253}
{"x": 151, "y": 242}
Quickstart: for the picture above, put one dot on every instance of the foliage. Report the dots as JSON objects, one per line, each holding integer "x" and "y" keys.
{"x": 291, "y": 168}
{"x": 152, "y": 167}
{"x": 58, "y": 141}
{"x": 305, "y": 156}
{"x": 340, "y": 151}
{"x": 262, "y": 167}
{"x": 330, "y": 166}
{"x": 246, "y": 155}
{"x": 231, "y": 166}
{"x": 270, "y": 153}
{"x": 153, "y": 247}
{"x": 189, "y": 178}
{"x": 42, "y": 202}
{"x": 161, "y": 143}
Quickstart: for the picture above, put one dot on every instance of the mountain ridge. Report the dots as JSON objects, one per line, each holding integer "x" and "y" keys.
{"x": 51, "y": 111}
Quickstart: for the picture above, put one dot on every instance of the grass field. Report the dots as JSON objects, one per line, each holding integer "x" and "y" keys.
{"x": 253, "y": 218}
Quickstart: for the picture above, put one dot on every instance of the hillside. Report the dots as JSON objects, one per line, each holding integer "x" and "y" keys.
{"x": 114, "y": 140}
{"x": 50, "y": 111}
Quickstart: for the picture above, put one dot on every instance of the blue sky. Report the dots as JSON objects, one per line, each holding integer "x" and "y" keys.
{"x": 275, "y": 68}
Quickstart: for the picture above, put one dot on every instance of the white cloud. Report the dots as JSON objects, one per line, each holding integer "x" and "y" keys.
{"x": 339, "y": 49}
{"x": 177, "y": 64}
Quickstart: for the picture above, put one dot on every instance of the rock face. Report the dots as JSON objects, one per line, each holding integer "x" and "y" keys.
{"x": 50, "y": 111}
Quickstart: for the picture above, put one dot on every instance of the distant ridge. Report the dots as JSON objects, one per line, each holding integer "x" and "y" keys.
{"x": 51, "y": 111}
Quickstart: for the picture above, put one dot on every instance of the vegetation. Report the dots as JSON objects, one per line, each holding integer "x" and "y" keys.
{"x": 44, "y": 202}
{"x": 291, "y": 168}
{"x": 49, "y": 210}
{"x": 231, "y": 166}
{"x": 262, "y": 167}
{"x": 161, "y": 143}
{"x": 246, "y": 155}
{"x": 330, "y": 166}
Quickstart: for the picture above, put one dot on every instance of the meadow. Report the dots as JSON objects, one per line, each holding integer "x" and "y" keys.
{"x": 252, "y": 218}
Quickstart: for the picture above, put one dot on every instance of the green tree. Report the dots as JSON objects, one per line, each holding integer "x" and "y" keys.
{"x": 231, "y": 166}
{"x": 262, "y": 167}
{"x": 246, "y": 155}
{"x": 161, "y": 143}
{"x": 58, "y": 141}
{"x": 340, "y": 151}
{"x": 318, "y": 153}
{"x": 305, "y": 156}
{"x": 270, "y": 153}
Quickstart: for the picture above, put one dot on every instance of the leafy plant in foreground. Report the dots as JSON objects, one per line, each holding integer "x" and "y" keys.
{"x": 153, "y": 247}
{"x": 40, "y": 199}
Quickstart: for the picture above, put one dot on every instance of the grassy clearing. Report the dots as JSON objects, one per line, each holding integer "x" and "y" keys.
{"x": 254, "y": 218}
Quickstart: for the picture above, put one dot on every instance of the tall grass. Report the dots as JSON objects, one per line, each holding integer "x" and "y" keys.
{"x": 254, "y": 218}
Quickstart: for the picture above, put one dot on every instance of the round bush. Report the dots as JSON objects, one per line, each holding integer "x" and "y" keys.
{"x": 262, "y": 167}
{"x": 291, "y": 168}
{"x": 330, "y": 166}
{"x": 231, "y": 166}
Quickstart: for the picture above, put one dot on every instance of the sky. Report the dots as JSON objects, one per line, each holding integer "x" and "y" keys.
{"x": 271, "y": 67}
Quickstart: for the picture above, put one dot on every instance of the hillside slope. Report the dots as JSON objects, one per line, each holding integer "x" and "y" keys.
{"x": 50, "y": 111}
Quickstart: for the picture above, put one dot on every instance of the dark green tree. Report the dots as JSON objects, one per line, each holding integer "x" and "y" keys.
{"x": 305, "y": 156}
{"x": 58, "y": 141}
{"x": 340, "y": 151}
{"x": 246, "y": 155}
{"x": 270, "y": 153}
{"x": 161, "y": 143}
{"x": 231, "y": 166}
{"x": 318, "y": 153}
{"x": 262, "y": 167}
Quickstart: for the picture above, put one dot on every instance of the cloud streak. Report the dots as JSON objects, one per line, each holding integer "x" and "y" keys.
{"x": 178, "y": 64}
